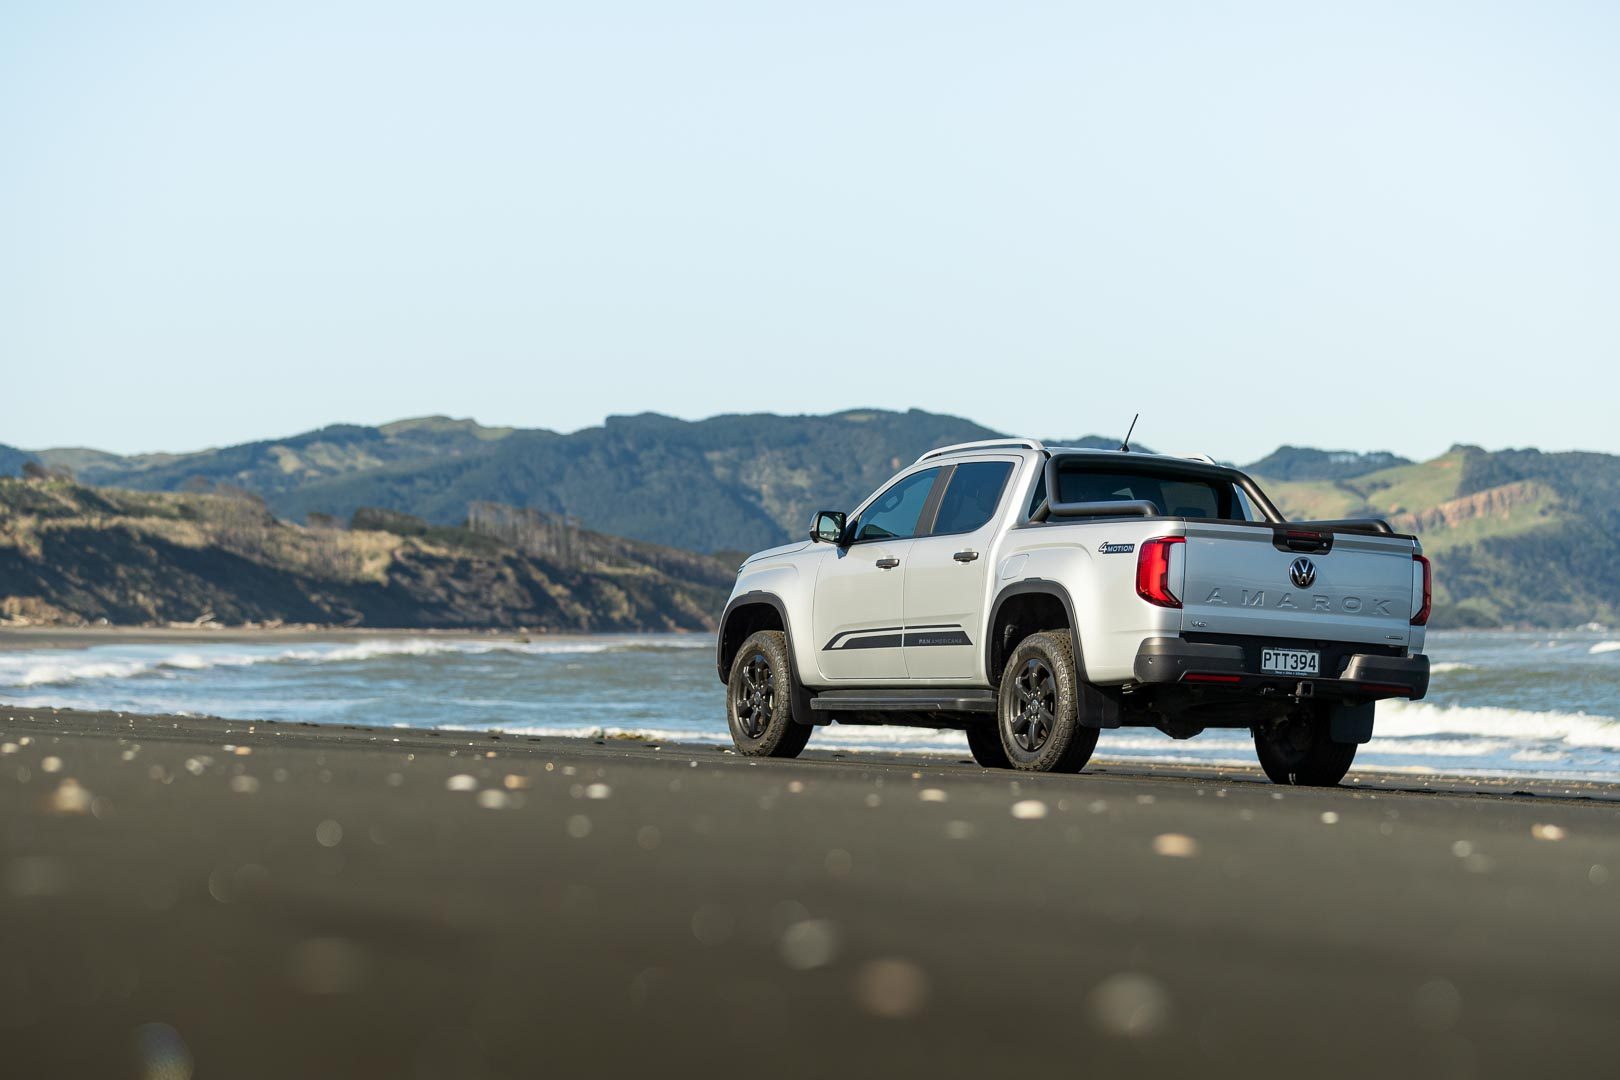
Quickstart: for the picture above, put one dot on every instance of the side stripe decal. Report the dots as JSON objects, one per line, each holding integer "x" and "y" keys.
{"x": 893, "y": 637}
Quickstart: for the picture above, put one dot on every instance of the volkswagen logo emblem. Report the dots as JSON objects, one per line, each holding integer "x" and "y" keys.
{"x": 1302, "y": 573}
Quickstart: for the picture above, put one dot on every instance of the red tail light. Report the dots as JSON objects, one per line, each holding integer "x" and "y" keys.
{"x": 1422, "y": 617}
{"x": 1153, "y": 571}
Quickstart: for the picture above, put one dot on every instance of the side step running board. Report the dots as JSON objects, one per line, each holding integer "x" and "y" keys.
{"x": 973, "y": 701}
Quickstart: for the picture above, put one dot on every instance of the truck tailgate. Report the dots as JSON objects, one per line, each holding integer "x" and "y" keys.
{"x": 1239, "y": 581}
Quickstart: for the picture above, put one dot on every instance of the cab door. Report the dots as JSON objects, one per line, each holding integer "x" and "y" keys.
{"x": 948, "y": 576}
{"x": 859, "y": 607}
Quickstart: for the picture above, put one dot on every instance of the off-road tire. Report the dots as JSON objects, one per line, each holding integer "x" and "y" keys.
{"x": 1051, "y": 738}
{"x": 1299, "y": 751}
{"x": 984, "y": 740}
{"x": 759, "y": 699}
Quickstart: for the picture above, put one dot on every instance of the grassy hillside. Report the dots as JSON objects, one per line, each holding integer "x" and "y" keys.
{"x": 71, "y": 554}
{"x": 273, "y": 466}
{"x": 1305, "y": 463}
{"x": 1517, "y": 537}
{"x": 735, "y": 482}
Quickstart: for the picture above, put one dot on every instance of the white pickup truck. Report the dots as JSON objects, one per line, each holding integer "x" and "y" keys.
{"x": 1035, "y": 595}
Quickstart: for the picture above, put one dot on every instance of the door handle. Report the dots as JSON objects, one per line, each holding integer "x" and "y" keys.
{"x": 966, "y": 556}
{"x": 887, "y": 564}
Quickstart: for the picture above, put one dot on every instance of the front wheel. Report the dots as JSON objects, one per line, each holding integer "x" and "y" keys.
{"x": 1299, "y": 751}
{"x": 759, "y": 699}
{"x": 1038, "y": 712}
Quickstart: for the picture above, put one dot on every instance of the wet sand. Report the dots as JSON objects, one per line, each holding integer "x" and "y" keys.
{"x": 285, "y": 900}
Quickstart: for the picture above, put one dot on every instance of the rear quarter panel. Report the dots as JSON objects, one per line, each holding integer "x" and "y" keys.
{"x": 1096, "y": 563}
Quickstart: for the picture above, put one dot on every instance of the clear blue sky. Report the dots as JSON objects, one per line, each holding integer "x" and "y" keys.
{"x": 1366, "y": 225}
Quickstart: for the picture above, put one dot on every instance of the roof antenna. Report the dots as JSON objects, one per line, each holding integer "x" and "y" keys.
{"x": 1125, "y": 447}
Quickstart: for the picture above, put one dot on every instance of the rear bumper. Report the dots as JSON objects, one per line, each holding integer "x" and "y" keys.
{"x": 1166, "y": 661}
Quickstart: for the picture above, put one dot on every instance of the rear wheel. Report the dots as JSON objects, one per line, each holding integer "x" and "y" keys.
{"x": 1299, "y": 751}
{"x": 984, "y": 739}
{"x": 1037, "y": 713}
{"x": 759, "y": 699}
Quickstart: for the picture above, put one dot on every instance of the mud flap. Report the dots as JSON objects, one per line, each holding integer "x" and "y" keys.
{"x": 1351, "y": 723}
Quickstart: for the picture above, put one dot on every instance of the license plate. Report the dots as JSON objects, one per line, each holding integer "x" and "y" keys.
{"x": 1290, "y": 662}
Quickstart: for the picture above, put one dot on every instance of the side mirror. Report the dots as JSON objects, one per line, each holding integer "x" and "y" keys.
{"x": 827, "y": 527}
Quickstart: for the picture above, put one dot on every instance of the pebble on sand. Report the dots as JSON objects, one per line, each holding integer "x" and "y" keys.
{"x": 1130, "y": 1004}
{"x": 891, "y": 988}
{"x": 70, "y": 798}
{"x": 1175, "y": 846}
{"x": 809, "y": 943}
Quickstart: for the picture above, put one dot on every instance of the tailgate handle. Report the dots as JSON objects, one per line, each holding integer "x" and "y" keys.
{"x": 1302, "y": 540}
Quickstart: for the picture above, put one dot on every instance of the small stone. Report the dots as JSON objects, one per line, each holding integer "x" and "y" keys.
{"x": 1175, "y": 846}
{"x": 891, "y": 988}
{"x": 1029, "y": 810}
{"x": 809, "y": 944}
{"x": 1130, "y": 1005}
{"x": 462, "y": 782}
{"x": 70, "y": 798}
{"x": 1547, "y": 832}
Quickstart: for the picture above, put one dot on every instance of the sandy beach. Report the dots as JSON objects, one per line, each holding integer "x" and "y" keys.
{"x": 288, "y": 900}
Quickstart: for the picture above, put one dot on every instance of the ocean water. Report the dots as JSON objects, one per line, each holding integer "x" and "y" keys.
{"x": 1539, "y": 704}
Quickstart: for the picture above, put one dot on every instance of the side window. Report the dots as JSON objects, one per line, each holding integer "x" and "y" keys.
{"x": 893, "y": 515}
{"x": 971, "y": 498}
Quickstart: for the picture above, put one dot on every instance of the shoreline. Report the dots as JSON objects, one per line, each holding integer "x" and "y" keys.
{"x": 20, "y": 638}
{"x": 97, "y": 723}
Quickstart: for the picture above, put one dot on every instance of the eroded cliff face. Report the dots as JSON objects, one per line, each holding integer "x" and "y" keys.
{"x": 1526, "y": 501}
{"x": 72, "y": 555}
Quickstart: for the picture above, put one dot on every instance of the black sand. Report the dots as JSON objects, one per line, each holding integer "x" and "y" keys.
{"x": 328, "y": 905}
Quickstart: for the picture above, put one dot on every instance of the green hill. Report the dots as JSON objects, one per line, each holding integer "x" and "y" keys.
{"x": 1518, "y": 537}
{"x": 71, "y": 554}
{"x": 274, "y": 466}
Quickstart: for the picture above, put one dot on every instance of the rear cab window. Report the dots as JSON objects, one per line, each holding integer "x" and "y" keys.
{"x": 1185, "y": 495}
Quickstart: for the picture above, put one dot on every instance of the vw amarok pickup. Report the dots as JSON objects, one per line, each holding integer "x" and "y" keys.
{"x": 1036, "y": 595}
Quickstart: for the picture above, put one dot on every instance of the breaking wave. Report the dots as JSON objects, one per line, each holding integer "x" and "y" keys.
{"x": 30, "y": 669}
{"x": 1604, "y": 646}
{"x": 1405, "y": 720}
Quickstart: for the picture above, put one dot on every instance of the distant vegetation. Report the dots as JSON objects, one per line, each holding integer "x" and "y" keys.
{"x": 1518, "y": 537}
{"x": 1304, "y": 463}
{"x": 71, "y": 554}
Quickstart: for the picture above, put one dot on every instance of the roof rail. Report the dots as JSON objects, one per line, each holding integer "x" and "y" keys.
{"x": 1205, "y": 458}
{"x": 984, "y": 444}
